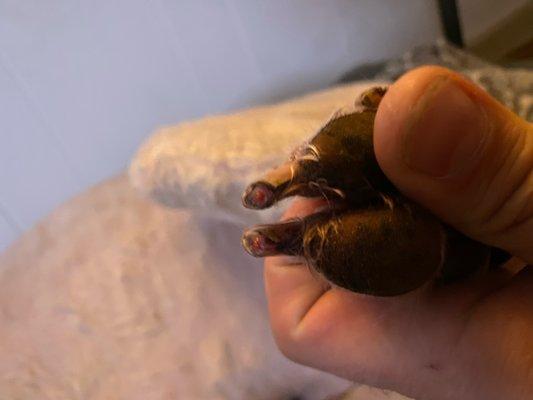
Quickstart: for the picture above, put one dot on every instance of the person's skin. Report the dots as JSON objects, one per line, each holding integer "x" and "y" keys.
{"x": 448, "y": 145}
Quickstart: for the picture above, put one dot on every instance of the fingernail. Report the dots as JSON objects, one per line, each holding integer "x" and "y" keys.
{"x": 445, "y": 131}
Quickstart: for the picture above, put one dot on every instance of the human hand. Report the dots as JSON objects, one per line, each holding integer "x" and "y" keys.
{"x": 446, "y": 144}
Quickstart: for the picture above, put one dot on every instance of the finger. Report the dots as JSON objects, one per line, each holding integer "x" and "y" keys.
{"x": 356, "y": 336}
{"x": 451, "y": 147}
{"x": 292, "y": 289}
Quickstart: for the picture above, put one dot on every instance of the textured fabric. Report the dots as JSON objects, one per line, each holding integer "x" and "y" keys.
{"x": 114, "y": 297}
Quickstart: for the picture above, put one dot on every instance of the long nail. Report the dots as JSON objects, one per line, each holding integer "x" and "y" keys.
{"x": 295, "y": 178}
{"x": 274, "y": 239}
{"x": 259, "y": 195}
{"x": 267, "y": 190}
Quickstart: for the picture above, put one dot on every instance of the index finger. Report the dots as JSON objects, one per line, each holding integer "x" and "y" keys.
{"x": 291, "y": 287}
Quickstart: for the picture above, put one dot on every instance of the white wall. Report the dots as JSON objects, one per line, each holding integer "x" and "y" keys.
{"x": 82, "y": 83}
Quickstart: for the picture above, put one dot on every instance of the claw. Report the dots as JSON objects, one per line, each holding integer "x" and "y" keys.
{"x": 268, "y": 190}
{"x": 259, "y": 245}
{"x": 274, "y": 239}
{"x": 259, "y": 195}
{"x": 294, "y": 178}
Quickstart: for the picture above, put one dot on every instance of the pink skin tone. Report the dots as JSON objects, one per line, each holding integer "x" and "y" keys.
{"x": 472, "y": 340}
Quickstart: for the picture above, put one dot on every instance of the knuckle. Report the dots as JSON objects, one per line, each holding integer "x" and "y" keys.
{"x": 295, "y": 344}
{"x": 288, "y": 346}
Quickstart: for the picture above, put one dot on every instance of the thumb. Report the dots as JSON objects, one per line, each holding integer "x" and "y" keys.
{"x": 451, "y": 147}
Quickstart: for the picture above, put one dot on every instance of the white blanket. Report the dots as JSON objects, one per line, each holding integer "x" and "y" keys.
{"x": 114, "y": 297}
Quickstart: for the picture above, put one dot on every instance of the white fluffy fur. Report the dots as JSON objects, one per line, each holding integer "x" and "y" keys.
{"x": 206, "y": 164}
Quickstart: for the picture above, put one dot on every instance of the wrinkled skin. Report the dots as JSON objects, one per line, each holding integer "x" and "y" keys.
{"x": 368, "y": 238}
